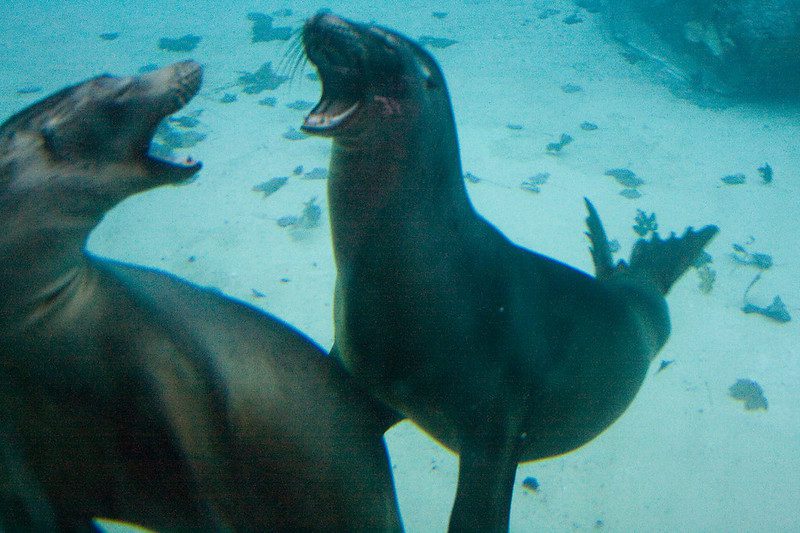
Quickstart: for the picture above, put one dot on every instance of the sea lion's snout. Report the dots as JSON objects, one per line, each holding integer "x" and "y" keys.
{"x": 174, "y": 85}
{"x": 332, "y": 45}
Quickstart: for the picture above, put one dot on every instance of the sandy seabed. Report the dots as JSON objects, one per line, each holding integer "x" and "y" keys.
{"x": 685, "y": 456}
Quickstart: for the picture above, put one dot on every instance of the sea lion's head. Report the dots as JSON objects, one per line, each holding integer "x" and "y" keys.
{"x": 89, "y": 144}
{"x": 374, "y": 81}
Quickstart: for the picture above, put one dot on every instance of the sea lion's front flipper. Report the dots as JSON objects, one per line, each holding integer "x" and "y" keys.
{"x": 601, "y": 251}
{"x": 485, "y": 484}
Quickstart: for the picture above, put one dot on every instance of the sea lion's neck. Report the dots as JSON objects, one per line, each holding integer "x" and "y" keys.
{"x": 41, "y": 248}
{"x": 395, "y": 183}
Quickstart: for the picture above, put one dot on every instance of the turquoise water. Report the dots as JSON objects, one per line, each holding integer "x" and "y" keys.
{"x": 686, "y": 455}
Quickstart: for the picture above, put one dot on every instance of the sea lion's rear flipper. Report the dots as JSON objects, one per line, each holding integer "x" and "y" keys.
{"x": 601, "y": 251}
{"x": 486, "y": 472}
{"x": 663, "y": 261}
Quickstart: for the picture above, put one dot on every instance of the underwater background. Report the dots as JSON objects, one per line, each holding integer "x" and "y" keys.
{"x": 554, "y": 101}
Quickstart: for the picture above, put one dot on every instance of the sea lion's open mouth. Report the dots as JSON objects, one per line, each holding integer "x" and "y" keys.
{"x": 333, "y": 45}
{"x": 183, "y": 83}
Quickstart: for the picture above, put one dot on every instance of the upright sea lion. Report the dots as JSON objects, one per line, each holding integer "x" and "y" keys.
{"x": 500, "y": 353}
{"x": 130, "y": 394}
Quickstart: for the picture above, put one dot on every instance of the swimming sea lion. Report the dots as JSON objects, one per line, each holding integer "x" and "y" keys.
{"x": 500, "y": 353}
{"x": 133, "y": 395}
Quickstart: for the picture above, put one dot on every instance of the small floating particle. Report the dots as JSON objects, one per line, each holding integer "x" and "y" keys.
{"x": 515, "y": 127}
{"x": 574, "y": 18}
{"x": 734, "y": 179}
{"x": 257, "y": 293}
{"x": 29, "y": 89}
{"x": 287, "y": 220}
{"x": 436, "y": 42}
{"x": 297, "y": 170}
{"x": 313, "y": 76}
{"x": 548, "y": 12}
{"x": 439, "y": 14}
{"x": 185, "y": 122}
{"x": 625, "y": 177}
{"x": 472, "y": 178}
{"x": 268, "y": 101}
{"x": 271, "y": 186}
{"x": 317, "y": 173}
{"x": 228, "y": 98}
{"x": 301, "y": 105}
{"x": 630, "y": 194}
{"x": 150, "y": 67}
{"x": 664, "y": 364}
{"x": 555, "y": 147}
{"x": 571, "y": 88}
{"x": 293, "y": 134}
{"x": 588, "y": 126}
{"x": 531, "y": 483}
{"x": 187, "y": 43}
{"x": 109, "y": 36}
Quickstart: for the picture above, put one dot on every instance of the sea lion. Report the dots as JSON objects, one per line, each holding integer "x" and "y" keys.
{"x": 129, "y": 394}
{"x": 500, "y": 353}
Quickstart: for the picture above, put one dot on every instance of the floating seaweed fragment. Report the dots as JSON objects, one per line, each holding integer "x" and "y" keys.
{"x": 317, "y": 173}
{"x": 775, "y": 311}
{"x": 308, "y": 219}
{"x": 271, "y": 185}
{"x": 707, "y": 277}
{"x": 472, "y": 178}
{"x": 288, "y": 220}
{"x": 534, "y": 183}
{"x": 265, "y": 78}
{"x": 301, "y": 105}
{"x": 645, "y": 223}
{"x": 294, "y": 134}
{"x": 187, "y": 43}
{"x": 30, "y": 89}
{"x": 263, "y": 31}
{"x": 734, "y": 179}
{"x": 664, "y": 364}
{"x": 436, "y": 42}
{"x": 556, "y": 147}
{"x": 588, "y": 126}
{"x": 625, "y": 177}
{"x": 185, "y": 121}
{"x": 548, "y": 12}
{"x": 750, "y": 393}
{"x": 766, "y": 173}
{"x": 571, "y": 88}
{"x": 742, "y": 256}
